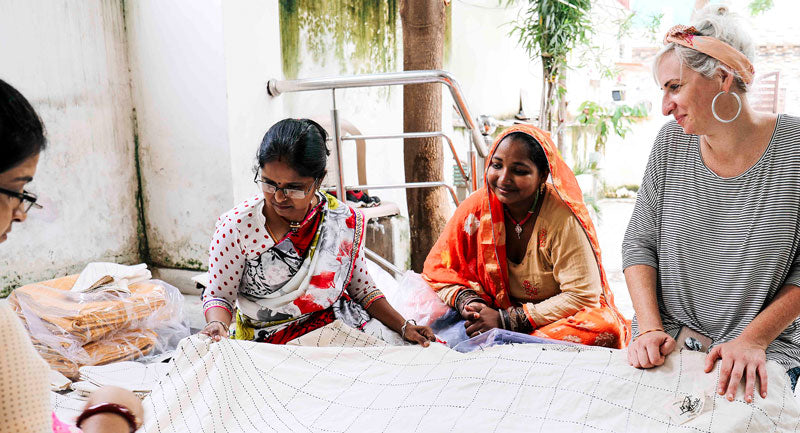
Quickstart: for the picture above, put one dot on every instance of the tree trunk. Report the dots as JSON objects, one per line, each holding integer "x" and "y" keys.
{"x": 561, "y": 113}
{"x": 548, "y": 86}
{"x": 423, "y": 48}
{"x": 544, "y": 106}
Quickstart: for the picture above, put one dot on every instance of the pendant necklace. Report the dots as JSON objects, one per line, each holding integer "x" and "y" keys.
{"x": 518, "y": 225}
{"x": 294, "y": 226}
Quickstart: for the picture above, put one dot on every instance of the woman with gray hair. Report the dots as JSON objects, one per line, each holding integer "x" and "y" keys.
{"x": 711, "y": 252}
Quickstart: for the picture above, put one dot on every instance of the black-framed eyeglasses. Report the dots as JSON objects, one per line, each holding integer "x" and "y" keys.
{"x": 287, "y": 192}
{"x": 26, "y": 199}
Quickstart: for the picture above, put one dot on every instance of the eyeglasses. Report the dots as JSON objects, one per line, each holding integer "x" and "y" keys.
{"x": 26, "y": 199}
{"x": 294, "y": 193}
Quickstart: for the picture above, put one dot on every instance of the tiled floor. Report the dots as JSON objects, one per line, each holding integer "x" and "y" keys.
{"x": 611, "y": 225}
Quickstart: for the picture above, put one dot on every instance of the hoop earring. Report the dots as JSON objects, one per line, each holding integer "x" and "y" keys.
{"x": 714, "y": 111}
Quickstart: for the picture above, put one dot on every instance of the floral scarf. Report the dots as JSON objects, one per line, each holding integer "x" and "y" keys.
{"x": 333, "y": 235}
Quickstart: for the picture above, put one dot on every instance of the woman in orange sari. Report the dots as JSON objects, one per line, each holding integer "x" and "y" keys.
{"x": 522, "y": 254}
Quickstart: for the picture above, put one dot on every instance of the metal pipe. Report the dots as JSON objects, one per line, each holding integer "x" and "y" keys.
{"x": 383, "y": 262}
{"x": 403, "y": 185}
{"x": 416, "y": 135}
{"x": 276, "y": 87}
{"x": 337, "y": 139}
{"x": 474, "y": 167}
{"x": 400, "y": 135}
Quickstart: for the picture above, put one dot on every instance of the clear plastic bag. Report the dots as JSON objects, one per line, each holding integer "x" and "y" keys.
{"x": 451, "y": 329}
{"x": 414, "y": 299}
{"x": 498, "y": 337}
{"x": 73, "y": 329}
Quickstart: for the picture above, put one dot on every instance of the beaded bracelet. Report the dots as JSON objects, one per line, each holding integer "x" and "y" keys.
{"x": 518, "y": 321}
{"x": 649, "y": 330}
{"x": 466, "y": 297}
{"x": 114, "y": 408}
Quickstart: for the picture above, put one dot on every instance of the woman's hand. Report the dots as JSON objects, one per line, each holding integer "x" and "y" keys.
{"x": 740, "y": 357}
{"x": 215, "y": 330}
{"x": 110, "y": 422}
{"x": 469, "y": 311}
{"x": 422, "y": 335}
{"x": 480, "y": 318}
{"x": 650, "y": 350}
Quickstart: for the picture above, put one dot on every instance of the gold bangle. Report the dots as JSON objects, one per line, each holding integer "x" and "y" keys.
{"x": 649, "y": 330}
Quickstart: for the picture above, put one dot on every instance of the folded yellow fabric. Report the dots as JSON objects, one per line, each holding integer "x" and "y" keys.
{"x": 121, "y": 346}
{"x": 72, "y": 329}
{"x": 81, "y": 317}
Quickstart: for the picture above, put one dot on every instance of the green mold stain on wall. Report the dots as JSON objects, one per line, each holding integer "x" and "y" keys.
{"x": 9, "y": 283}
{"x": 361, "y": 35}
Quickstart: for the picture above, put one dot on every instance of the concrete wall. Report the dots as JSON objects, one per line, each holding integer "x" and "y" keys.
{"x": 68, "y": 58}
{"x": 178, "y": 75}
{"x": 199, "y": 74}
{"x": 252, "y": 56}
{"x": 491, "y": 67}
{"x": 184, "y": 81}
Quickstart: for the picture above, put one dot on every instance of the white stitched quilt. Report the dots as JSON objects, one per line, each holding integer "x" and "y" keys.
{"x": 353, "y": 383}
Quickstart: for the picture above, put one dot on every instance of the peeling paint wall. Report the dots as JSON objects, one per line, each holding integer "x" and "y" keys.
{"x": 183, "y": 82}
{"x": 199, "y": 72}
{"x": 68, "y": 58}
{"x": 178, "y": 78}
{"x": 357, "y": 37}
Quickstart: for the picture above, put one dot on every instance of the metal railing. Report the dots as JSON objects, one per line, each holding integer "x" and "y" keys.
{"x": 477, "y": 149}
{"x": 417, "y": 135}
{"x": 277, "y": 87}
{"x": 410, "y": 185}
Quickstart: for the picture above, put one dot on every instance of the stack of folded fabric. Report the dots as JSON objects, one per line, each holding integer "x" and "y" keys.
{"x": 71, "y": 329}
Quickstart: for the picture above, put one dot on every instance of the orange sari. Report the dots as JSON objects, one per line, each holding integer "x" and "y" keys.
{"x": 471, "y": 253}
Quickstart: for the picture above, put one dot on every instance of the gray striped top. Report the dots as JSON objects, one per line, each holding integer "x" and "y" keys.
{"x": 723, "y": 247}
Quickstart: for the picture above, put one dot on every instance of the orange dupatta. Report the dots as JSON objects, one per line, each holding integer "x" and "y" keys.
{"x": 471, "y": 253}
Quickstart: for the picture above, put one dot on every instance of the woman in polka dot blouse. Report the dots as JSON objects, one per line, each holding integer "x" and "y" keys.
{"x": 291, "y": 260}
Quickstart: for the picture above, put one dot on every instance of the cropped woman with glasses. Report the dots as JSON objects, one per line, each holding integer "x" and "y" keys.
{"x": 291, "y": 260}
{"x": 22, "y": 138}
{"x": 25, "y": 400}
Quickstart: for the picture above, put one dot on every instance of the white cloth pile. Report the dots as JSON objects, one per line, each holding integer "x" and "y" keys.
{"x": 104, "y": 276}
